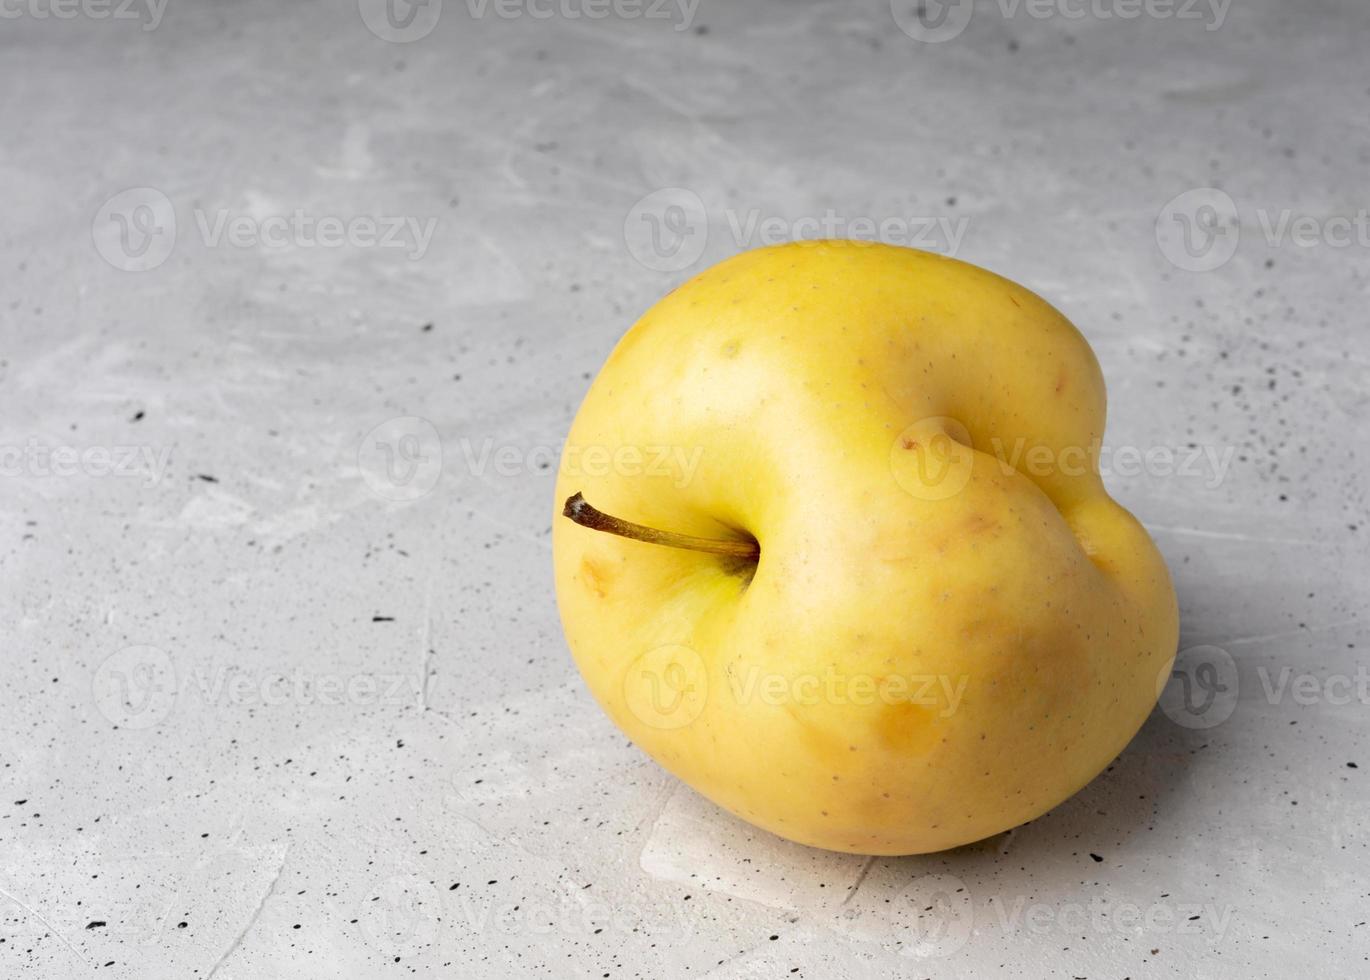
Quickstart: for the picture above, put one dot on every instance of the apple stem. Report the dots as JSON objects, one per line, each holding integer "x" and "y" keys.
{"x": 579, "y": 510}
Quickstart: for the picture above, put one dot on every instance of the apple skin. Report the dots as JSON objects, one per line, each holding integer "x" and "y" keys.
{"x": 935, "y": 645}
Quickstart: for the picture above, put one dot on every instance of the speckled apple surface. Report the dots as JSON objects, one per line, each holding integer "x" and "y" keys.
{"x": 259, "y": 717}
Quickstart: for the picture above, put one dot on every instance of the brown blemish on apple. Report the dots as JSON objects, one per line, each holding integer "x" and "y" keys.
{"x": 596, "y": 577}
{"x": 981, "y": 524}
{"x": 821, "y": 740}
{"x": 908, "y": 443}
{"x": 731, "y": 348}
{"x": 905, "y": 727}
{"x": 1061, "y": 379}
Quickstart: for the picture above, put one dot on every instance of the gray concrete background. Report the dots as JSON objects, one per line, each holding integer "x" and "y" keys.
{"x": 284, "y": 692}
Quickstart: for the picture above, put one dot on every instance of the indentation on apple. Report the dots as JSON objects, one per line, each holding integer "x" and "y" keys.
{"x": 743, "y": 568}
{"x": 932, "y": 459}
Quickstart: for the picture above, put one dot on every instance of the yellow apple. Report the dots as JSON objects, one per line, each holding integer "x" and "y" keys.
{"x": 844, "y": 562}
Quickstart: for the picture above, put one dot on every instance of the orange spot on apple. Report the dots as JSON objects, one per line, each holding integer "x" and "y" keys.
{"x": 596, "y": 577}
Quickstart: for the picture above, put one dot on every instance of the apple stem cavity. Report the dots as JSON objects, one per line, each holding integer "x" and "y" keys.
{"x": 580, "y": 510}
